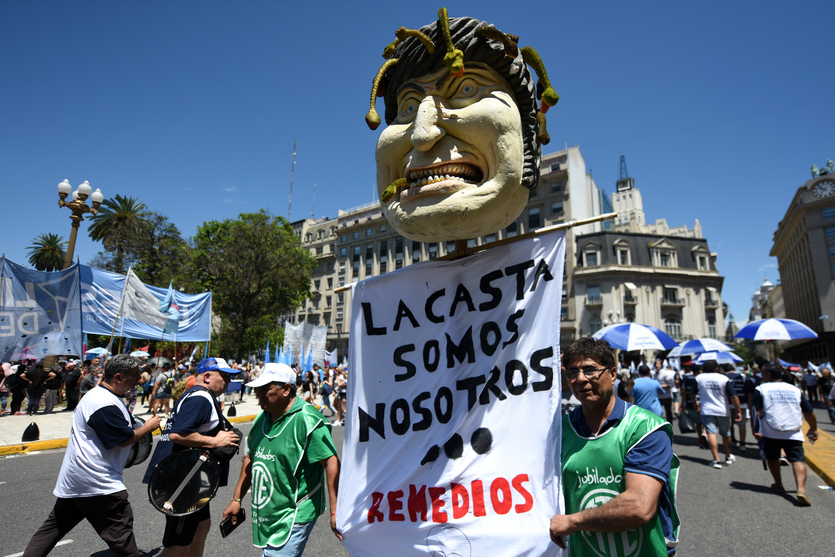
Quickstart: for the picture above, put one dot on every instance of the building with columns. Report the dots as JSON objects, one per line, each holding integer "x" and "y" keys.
{"x": 804, "y": 245}
{"x": 647, "y": 273}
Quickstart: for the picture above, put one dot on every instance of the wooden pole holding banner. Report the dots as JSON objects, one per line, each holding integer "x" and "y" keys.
{"x": 461, "y": 249}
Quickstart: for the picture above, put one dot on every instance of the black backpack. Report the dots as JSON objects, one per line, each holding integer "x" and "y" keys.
{"x": 168, "y": 384}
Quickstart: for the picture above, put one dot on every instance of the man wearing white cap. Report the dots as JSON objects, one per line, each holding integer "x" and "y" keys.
{"x": 290, "y": 455}
{"x": 196, "y": 421}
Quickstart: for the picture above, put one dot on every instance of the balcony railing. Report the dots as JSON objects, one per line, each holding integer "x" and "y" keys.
{"x": 629, "y": 299}
{"x": 711, "y": 303}
{"x": 671, "y": 301}
{"x": 594, "y": 300}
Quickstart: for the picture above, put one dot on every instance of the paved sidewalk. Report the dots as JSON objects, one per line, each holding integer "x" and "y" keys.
{"x": 55, "y": 427}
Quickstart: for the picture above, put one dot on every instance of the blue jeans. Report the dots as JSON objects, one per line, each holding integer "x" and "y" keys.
{"x": 295, "y": 544}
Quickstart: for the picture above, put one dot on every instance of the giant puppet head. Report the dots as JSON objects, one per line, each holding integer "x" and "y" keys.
{"x": 462, "y": 148}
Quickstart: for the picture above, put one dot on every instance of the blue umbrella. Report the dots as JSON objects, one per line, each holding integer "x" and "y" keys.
{"x": 776, "y": 329}
{"x": 632, "y": 336}
{"x": 720, "y": 357}
{"x": 699, "y": 345}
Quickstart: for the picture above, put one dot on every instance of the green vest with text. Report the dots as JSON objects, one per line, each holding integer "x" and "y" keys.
{"x": 592, "y": 475}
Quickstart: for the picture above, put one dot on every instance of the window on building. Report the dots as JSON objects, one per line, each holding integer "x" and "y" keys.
{"x": 355, "y": 263}
{"x": 382, "y": 228}
{"x": 533, "y": 218}
{"x": 341, "y": 281}
{"x": 490, "y": 238}
{"x": 623, "y": 256}
{"x": 314, "y": 303}
{"x": 320, "y": 250}
{"x": 701, "y": 261}
{"x": 555, "y": 167}
{"x": 450, "y": 246}
{"x": 671, "y": 295}
{"x": 343, "y": 252}
{"x": 672, "y": 326}
{"x": 369, "y": 259}
{"x": 595, "y": 324}
{"x": 630, "y": 318}
{"x": 828, "y": 213}
{"x": 415, "y": 251}
{"x": 341, "y": 267}
{"x": 591, "y": 258}
{"x": 593, "y": 294}
{"x": 832, "y": 250}
{"x": 556, "y": 187}
{"x": 339, "y": 314}
{"x": 664, "y": 259}
{"x": 331, "y": 266}
{"x": 564, "y": 313}
{"x": 320, "y": 234}
{"x": 330, "y": 284}
{"x": 432, "y": 248}
{"x": 316, "y": 284}
{"x": 344, "y": 238}
{"x": 384, "y": 256}
{"x": 472, "y": 242}
{"x": 711, "y": 328}
{"x": 532, "y": 194}
{"x": 511, "y": 230}
{"x": 398, "y": 253}
{"x": 830, "y": 232}
{"x": 556, "y": 208}
{"x": 833, "y": 268}
{"x": 340, "y": 298}
{"x": 356, "y": 234}
{"x": 368, "y": 232}
{"x": 327, "y": 317}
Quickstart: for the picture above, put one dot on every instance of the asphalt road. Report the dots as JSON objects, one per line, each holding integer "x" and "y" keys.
{"x": 724, "y": 512}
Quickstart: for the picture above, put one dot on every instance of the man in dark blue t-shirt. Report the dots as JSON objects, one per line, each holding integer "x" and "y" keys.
{"x": 195, "y": 422}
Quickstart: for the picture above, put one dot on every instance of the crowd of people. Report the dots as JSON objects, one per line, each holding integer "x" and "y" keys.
{"x": 721, "y": 400}
{"x": 621, "y": 423}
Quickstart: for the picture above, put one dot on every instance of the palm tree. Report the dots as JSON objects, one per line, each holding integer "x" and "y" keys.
{"x": 119, "y": 218}
{"x": 47, "y": 252}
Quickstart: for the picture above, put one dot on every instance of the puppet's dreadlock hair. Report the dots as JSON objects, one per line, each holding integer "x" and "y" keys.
{"x": 453, "y": 43}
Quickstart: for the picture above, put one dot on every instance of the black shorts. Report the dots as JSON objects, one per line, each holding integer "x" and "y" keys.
{"x": 179, "y": 530}
{"x": 793, "y": 448}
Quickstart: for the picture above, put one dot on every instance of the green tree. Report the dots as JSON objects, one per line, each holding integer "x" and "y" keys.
{"x": 256, "y": 269}
{"x": 47, "y": 252}
{"x": 154, "y": 248}
{"x": 117, "y": 221}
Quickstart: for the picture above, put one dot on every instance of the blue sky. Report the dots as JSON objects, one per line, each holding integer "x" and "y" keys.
{"x": 719, "y": 107}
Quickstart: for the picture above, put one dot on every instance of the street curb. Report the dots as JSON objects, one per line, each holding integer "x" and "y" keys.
{"x": 821, "y": 457}
{"x": 50, "y": 444}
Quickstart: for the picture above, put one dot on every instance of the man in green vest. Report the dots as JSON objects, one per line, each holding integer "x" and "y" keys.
{"x": 290, "y": 457}
{"x": 618, "y": 467}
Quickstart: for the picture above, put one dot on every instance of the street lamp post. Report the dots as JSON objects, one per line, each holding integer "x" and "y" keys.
{"x": 79, "y": 208}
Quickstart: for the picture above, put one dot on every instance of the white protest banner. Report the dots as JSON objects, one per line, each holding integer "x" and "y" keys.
{"x": 452, "y": 439}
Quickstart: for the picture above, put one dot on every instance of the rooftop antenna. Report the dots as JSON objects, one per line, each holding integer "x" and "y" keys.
{"x": 624, "y": 182}
{"x": 292, "y": 169}
{"x": 313, "y": 212}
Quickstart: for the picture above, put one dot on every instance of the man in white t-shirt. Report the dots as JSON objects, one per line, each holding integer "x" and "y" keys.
{"x": 667, "y": 378}
{"x": 716, "y": 394}
{"x": 90, "y": 482}
{"x": 781, "y": 408}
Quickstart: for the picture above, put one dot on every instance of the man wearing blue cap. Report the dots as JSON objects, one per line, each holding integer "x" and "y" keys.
{"x": 196, "y": 421}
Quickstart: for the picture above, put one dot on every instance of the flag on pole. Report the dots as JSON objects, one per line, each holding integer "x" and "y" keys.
{"x": 308, "y": 363}
{"x": 140, "y": 305}
{"x": 127, "y": 346}
{"x": 267, "y": 353}
{"x": 277, "y": 353}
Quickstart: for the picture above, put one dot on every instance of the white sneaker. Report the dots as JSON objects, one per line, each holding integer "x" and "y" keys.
{"x": 715, "y": 464}
{"x": 730, "y": 460}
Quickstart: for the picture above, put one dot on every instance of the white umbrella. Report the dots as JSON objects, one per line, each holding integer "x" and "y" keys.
{"x": 632, "y": 336}
{"x": 98, "y": 351}
{"x": 139, "y": 354}
{"x": 776, "y": 329}
{"x": 693, "y": 347}
{"x": 720, "y": 357}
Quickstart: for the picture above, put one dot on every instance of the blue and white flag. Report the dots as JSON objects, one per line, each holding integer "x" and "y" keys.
{"x": 267, "y": 353}
{"x": 170, "y": 308}
{"x": 101, "y": 293}
{"x": 40, "y": 312}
